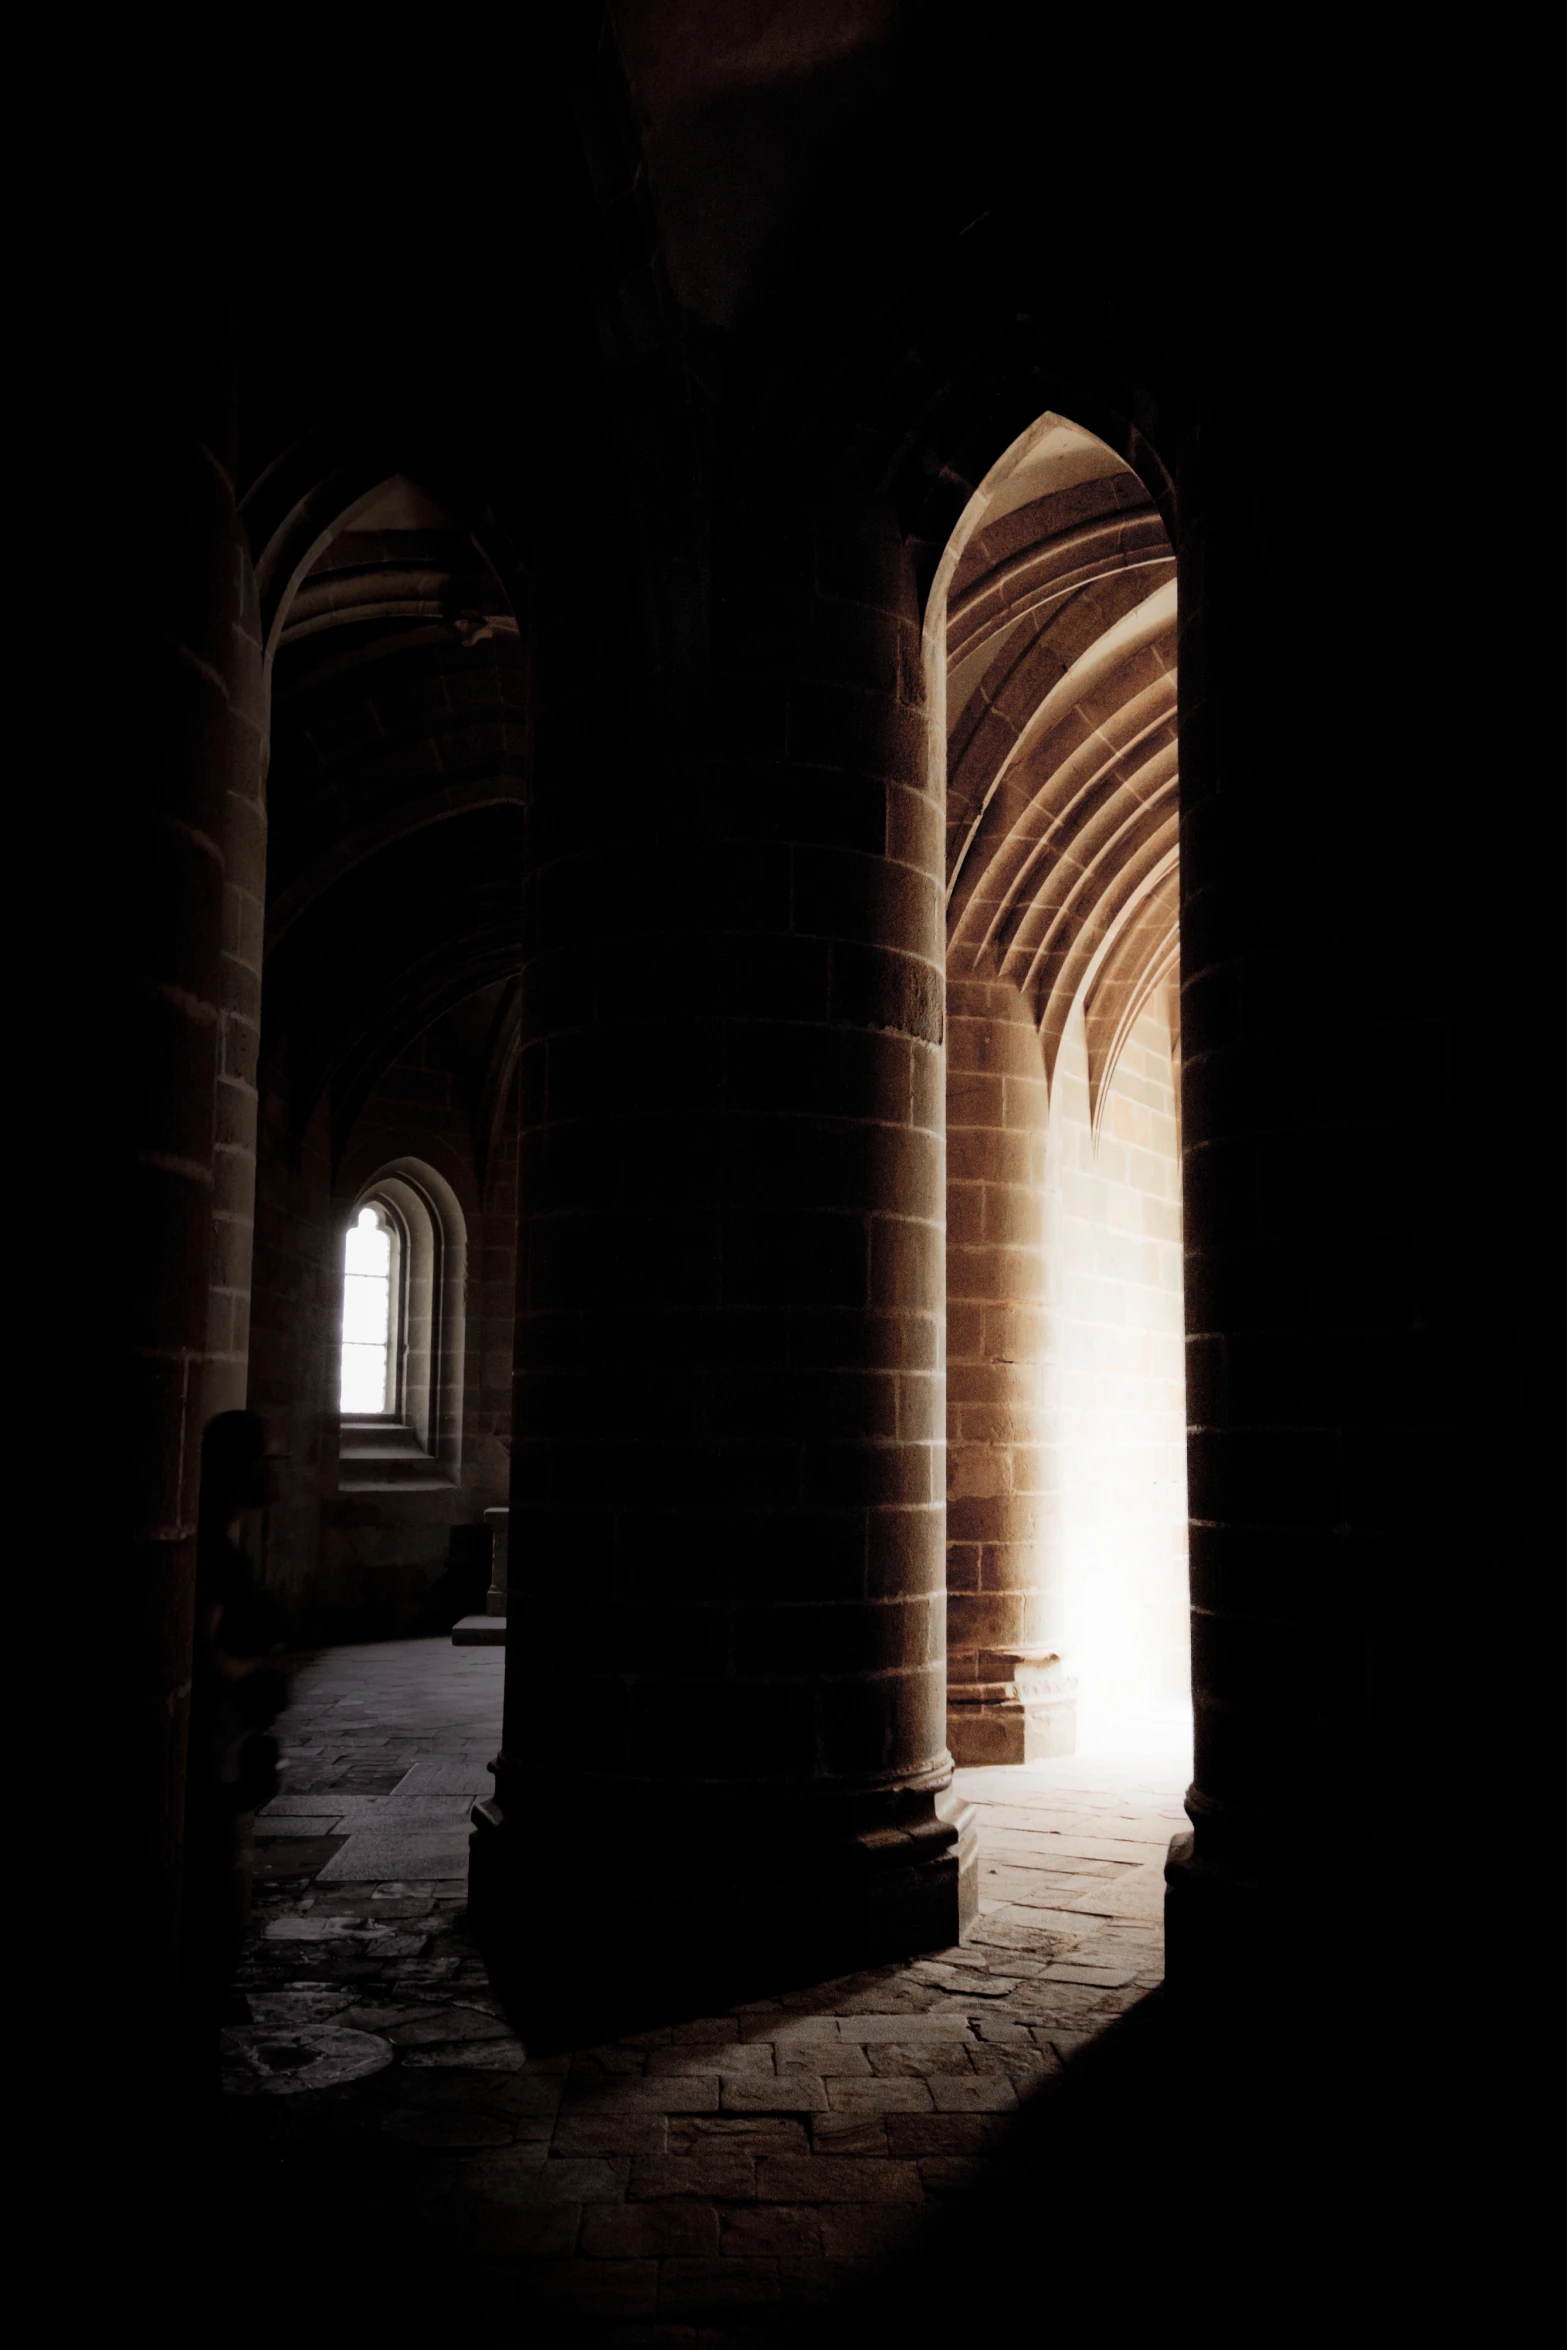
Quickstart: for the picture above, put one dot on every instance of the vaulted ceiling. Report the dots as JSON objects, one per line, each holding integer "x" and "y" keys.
{"x": 399, "y": 714}
{"x": 1059, "y": 623}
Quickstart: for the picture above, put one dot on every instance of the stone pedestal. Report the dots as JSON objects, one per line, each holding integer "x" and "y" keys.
{"x": 499, "y": 1522}
{"x": 1026, "y": 1717}
{"x": 489, "y": 1630}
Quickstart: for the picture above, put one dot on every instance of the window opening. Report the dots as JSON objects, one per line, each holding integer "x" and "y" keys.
{"x": 368, "y": 1359}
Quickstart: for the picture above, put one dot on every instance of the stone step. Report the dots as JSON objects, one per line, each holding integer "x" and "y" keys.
{"x": 399, "y": 1466}
{"x": 383, "y": 1482}
{"x": 479, "y": 1632}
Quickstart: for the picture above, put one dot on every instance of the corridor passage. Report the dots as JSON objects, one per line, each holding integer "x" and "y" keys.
{"x": 714, "y": 2171}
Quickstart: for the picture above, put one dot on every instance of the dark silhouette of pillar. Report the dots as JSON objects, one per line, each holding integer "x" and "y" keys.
{"x": 725, "y": 1696}
{"x": 158, "y": 859}
{"x": 1338, "y": 1233}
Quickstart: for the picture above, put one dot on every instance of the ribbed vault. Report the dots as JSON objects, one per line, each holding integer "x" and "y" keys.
{"x": 399, "y": 740}
{"x": 1062, "y": 779}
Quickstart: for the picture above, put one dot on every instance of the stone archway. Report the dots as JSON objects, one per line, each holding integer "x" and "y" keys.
{"x": 1051, "y": 661}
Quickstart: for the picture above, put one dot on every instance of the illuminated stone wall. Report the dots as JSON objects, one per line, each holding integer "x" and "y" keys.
{"x": 1115, "y": 1383}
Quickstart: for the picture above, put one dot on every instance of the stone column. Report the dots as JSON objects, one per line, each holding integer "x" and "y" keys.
{"x": 1341, "y": 1378}
{"x": 1009, "y": 1696}
{"x": 185, "y": 740}
{"x": 725, "y": 1717}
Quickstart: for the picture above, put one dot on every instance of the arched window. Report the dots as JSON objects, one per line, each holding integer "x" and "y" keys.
{"x": 370, "y": 1314}
{"x": 400, "y": 1389}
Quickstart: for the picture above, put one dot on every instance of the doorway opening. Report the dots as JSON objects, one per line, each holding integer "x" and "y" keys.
{"x": 1051, "y": 665}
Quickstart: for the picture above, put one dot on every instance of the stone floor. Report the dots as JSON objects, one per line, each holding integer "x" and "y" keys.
{"x": 750, "y": 2170}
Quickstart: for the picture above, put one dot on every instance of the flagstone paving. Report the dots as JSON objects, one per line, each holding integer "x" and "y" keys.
{"x": 714, "y": 2173}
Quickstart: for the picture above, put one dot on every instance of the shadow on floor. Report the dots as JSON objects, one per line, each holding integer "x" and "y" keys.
{"x": 1231, "y": 2186}
{"x": 1214, "y": 2182}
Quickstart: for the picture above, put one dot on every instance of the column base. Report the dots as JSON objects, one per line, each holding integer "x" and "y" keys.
{"x": 1213, "y": 1931}
{"x": 1011, "y": 1730}
{"x": 1027, "y": 1716}
{"x": 716, "y": 1901}
{"x": 1242, "y": 1943}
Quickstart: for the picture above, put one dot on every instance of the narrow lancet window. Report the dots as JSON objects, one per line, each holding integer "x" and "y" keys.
{"x": 367, "y": 1314}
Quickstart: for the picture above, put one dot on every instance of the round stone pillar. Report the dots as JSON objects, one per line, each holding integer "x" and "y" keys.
{"x": 185, "y": 747}
{"x": 1009, "y": 1699}
{"x": 1337, "y": 1246}
{"x": 725, "y": 1722}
